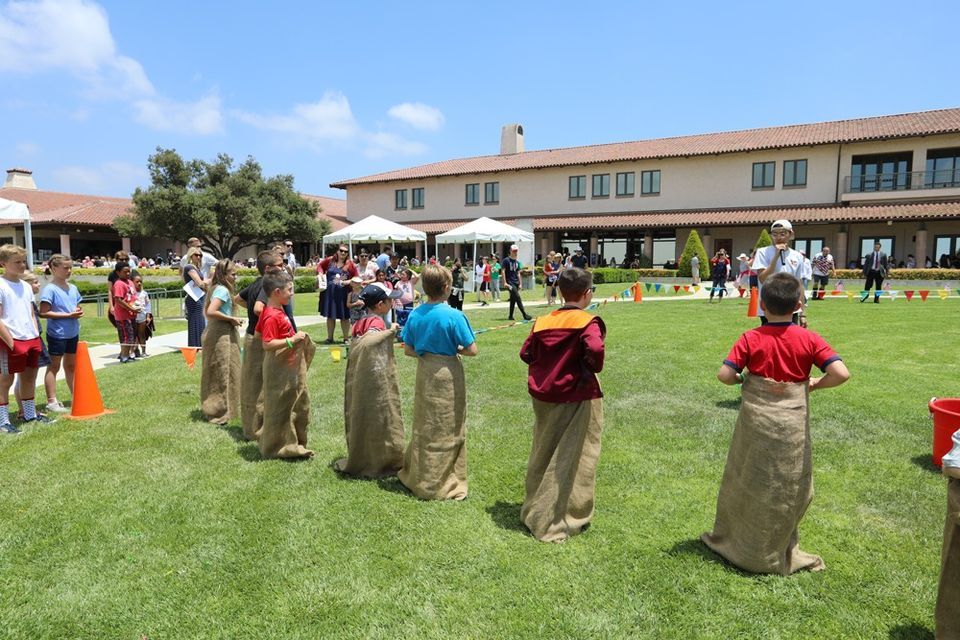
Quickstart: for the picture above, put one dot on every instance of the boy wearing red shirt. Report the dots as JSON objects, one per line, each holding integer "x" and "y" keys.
{"x": 564, "y": 352}
{"x": 768, "y": 479}
{"x": 287, "y": 355}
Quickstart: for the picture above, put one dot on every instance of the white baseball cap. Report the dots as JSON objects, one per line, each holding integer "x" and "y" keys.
{"x": 781, "y": 224}
{"x": 514, "y": 247}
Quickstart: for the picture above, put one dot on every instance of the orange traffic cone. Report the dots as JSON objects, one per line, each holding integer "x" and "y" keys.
{"x": 754, "y": 303}
{"x": 637, "y": 292}
{"x": 189, "y": 355}
{"x": 87, "y": 402}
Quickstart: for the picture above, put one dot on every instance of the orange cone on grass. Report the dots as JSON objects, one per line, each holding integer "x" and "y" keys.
{"x": 754, "y": 303}
{"x": 87, "y": 401}
{"x": 189, "y": 355}
{"x": 637, "y": 292}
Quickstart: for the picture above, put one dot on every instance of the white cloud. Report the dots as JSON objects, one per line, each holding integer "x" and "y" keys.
{"x": 202, "y": 117}
{"x": 73, "y": 35}
{"x": 382, "y": 144}
{"x": 418, "y": 115}
{"x": 27, "y": 148}
{"x": 329, "y": 119}
{"x": 108, "y": 178}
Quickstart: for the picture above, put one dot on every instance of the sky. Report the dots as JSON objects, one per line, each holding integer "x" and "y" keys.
{"x": 327, "y": 91}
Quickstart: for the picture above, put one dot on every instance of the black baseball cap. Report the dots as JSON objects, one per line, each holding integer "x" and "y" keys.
{"x": 372, "y": 294}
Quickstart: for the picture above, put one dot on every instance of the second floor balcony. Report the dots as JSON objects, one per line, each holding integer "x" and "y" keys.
{"x": 888, "y": 186}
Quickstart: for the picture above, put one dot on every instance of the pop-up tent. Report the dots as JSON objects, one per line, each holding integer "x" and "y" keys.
{"x": 10, "y": 210}
{"x": 375, "y": 228}
{"x": 483, "y": 230}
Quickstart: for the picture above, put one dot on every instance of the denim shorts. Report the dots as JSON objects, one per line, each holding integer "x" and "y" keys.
{"x": 61, "y": 346}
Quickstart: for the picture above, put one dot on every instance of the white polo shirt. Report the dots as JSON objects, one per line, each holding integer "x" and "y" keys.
{"x": 17, "y": 301}
{"x": 792, "y": 263}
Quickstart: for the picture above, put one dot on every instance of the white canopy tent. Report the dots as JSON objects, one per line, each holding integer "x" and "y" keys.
{"x": 375, "y": 228}
{"x": 483, "y": 230}
{"x": 10, "y": 210}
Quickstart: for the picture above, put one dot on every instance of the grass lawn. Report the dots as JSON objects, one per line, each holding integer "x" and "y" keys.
{"x": 150, "y": 522}
{"x": 99, "y": 330}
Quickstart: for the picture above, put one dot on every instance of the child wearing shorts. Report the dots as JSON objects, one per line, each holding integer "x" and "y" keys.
{"x": 60, "y": 305}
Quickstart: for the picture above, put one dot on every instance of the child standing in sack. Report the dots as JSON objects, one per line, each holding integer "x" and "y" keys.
{"x": 768, "y": 479}
{"x": 948, "y": 596}
{"x": 564, "y": 353}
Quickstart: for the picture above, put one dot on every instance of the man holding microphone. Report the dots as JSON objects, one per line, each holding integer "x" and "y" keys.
{"x": 780, "y": 258}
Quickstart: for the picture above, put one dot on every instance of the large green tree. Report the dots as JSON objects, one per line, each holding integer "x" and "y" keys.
{"x": 227, "y": 208}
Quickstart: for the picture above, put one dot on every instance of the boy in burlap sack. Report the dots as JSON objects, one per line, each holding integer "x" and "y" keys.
{"x": 564, "y": 353}
{"x": 768, "y": 479}
{"x": 287, "y": 356}
{"x": 435, "y": 461}
{"x": 948, "y": 597}
{"x": 251, "y": 370}
{"x": 371, "y": 400}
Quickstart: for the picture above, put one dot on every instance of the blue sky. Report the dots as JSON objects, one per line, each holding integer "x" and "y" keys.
{"x": 329, "y": 91}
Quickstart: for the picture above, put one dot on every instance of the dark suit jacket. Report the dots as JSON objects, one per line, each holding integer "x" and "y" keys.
{"x": 868, "y": 264}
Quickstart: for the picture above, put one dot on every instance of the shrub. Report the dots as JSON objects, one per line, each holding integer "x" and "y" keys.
{"x": 764, "y": 240}
{"x": 693, "y": 247}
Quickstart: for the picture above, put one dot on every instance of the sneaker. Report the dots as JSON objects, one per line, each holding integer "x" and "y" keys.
{"x": 528, "y": 318}
{"x": 10, "y": 429}
{"x": 57, "y": 407}
{"x": 42, "y": 419}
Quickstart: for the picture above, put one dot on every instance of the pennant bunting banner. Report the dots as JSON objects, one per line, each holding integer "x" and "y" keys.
{"x": 686, "y": 288}
{"x": 676, "y": 288}
{"x": 943, "y": 294}
{"x": 923, "y": 294}
{"x": 648, "y": 285}
{"x": 909, "y": 295}
{"x": 656, "y": 287}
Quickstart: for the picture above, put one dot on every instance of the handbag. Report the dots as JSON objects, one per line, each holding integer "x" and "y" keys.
{"x": 321, "y": 282}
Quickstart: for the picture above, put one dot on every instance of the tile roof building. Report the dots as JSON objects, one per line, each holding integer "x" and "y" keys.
{"x": 81, "y": 225}
{"x": 893, "y": 179}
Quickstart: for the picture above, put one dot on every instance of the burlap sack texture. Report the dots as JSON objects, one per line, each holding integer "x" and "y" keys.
{"x": 948, "y": 598}
{"x": 286, "y": 403}
{"x": 435, "y": 461}
{"x": 562, "y": 469}
{"x": 251, "y": 387}
{"x": 373, "y": 423}
{"x": 767, "y": 482}
{"x": 220, "y": 376}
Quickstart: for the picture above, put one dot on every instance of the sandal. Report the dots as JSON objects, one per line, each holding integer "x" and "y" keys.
{"x": 328, "y": 341}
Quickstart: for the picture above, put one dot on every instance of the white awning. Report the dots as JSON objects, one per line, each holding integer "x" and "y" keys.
{"x": 484, "y": 230}
{"x": 375, "y": 228}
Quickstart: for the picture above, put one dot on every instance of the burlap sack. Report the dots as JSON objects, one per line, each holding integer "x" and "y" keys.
{"x": 948, "y": 597}
{"x": 286, "y": 404}
{"x": 562, "y": 469}
{"x": 220, "y": 377}
{"x": 251, "y": 387}
{"x": 435, "y": 462}
{"x": 371, "y": 408}
{"x": 767, "y": 482}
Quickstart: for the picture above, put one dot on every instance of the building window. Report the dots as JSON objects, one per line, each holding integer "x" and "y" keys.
{"x": 650, "y": 183}
{"x": 625, "y": 183}
{"x": 400, "y": 199}
{"x": 491, "y": 193}
{"x": 887, "y": 172}
{"x": 866, "y": 247}
{"x": 943, "y": 169}
{"x": 417, "y": 195}
{"x": 809, "y": 246}
{"x": 601, "y": 185}
{"x": 764, "y": 174}
{"x": 578, "y": 186}
{"x": 945, "y": 251}
{"x": 473, "y": 194}
{"x": 795, "y": 173}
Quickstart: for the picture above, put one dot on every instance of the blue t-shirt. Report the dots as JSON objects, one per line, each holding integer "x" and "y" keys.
{"x": 61, "y": 301}
{"x": 437, "y": 328}
{"x": 222, "y": 294}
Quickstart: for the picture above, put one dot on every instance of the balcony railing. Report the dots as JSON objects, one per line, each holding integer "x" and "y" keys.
{"x": 906, "y": 181}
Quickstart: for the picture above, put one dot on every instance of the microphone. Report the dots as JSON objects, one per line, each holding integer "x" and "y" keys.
{"x": 783, "y": 261}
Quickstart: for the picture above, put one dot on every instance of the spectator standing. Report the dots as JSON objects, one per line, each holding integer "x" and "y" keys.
{"x": 822, "y": 267}
{"x": 60, "y": 305}
{"x": 194, "y": 306}
{"x": 339, "y": 269}
{"x": 874, "y": 270}
{"x": 695, "y": 270}
{"x": 207, "y": 260}
{"x": 510, "y": 273}
{"x": 455, "y": 299}
{"x": 495, "y": 277}
{"x": 290, "y": 258}
{"x": 720, "y": 269}
{"x": 578, "y": 260}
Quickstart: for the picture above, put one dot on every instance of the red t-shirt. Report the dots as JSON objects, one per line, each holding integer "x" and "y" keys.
{"x": 781, "y": 351}
{"x": 273, "y": 324}
{"x": 368, "y": 323}
{"x": 123, "y": 290}
{"x": 486, "y": 273}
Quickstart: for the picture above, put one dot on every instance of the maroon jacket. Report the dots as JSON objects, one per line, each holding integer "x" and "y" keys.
{"x": 564, "y": 352}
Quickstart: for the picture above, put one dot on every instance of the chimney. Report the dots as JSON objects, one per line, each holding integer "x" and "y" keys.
{"x": 20, "y": 179}
{"x": 511, "y": 139}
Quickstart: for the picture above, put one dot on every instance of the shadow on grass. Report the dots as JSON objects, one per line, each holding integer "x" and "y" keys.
{"x": 912, "y": 631}
{"x": 250, "y": 452}
{"x": 197, "y": 416}
{"x": 393, "y": 485}
{"x": 506, "y": 515}
{"x": 925, "y": 462}
{"x": 696, "y": 547}
{"x": 234, "y": 431}
{"x": 733, "y": 403}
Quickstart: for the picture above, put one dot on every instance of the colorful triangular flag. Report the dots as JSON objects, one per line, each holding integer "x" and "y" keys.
{"x": 647, "y": 285}
{"x": 923, "y": 294}
{"x": 656, "y": 287}
{"x": 686, "y": 288}
{"x": 943, "y": 294}
{"x": 676, "y": 288}
{"x": 696, "y": 288}
{"x": 909, "y": 295}
{"x": 893, "y": 294}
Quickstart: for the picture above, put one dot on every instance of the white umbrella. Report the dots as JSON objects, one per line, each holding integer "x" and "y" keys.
{"x": 483, "y": 230}
{"x": 11, "y": 210}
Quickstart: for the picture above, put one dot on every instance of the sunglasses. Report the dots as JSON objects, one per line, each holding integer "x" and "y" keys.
{"x": 593, "y": 289}
{"x": 343, "y": 250}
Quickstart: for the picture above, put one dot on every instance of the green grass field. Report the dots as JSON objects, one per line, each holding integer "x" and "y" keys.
{"x": 150, "y": 522}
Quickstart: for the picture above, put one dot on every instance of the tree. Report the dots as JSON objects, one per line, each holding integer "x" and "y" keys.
{"x": 764, "y": 240}
{"x": 228, "y": 209}
{"x": 693, "y": 247}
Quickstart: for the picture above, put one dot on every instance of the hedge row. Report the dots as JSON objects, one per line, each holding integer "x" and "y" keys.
{"x": 606, "y": 275}
{"x": 301, "y": 284}
{"x": 168, "y": 271}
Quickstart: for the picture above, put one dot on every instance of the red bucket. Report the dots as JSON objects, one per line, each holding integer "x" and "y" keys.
{"x": 946, "y": 420}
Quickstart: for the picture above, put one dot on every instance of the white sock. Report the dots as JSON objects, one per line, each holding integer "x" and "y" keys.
{"x": 29, "y": 409}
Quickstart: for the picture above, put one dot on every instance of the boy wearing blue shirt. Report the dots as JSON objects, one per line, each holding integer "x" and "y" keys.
{"x": 435, "y": 461}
